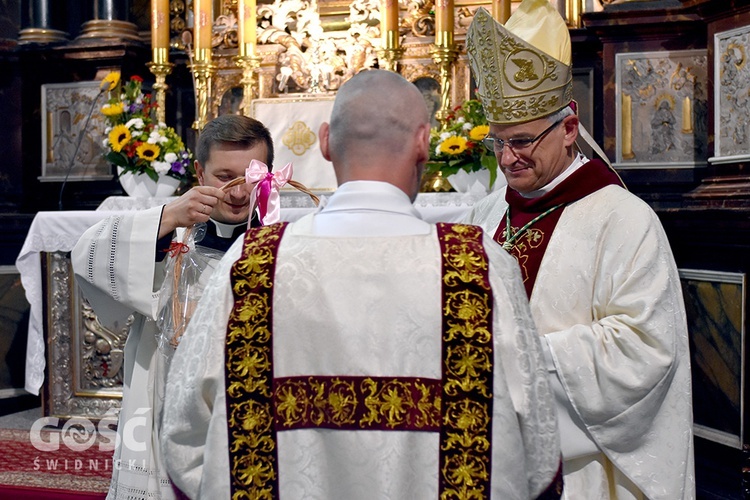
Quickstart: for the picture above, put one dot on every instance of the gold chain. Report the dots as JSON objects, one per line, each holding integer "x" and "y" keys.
{"x": 511, "y": 238}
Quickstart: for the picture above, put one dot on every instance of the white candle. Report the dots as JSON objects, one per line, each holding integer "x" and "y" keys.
{"x": 444, "y": 20}
{"x": 246, "y": 27}
{"x": 203, "y": 13}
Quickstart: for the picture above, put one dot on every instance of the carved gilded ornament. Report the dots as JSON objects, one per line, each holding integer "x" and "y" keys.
{"x": 84, "y": 371}
{"x": 304, "y": 51}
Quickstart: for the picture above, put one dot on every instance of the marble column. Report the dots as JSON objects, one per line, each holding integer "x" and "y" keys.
{"x": 111, "y": 20}
{"x": 39, "y": 22}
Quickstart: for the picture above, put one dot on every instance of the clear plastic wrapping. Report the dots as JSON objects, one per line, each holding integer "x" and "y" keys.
{"x": 182, "y": 288}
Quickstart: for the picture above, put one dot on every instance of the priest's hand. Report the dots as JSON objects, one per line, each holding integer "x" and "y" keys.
{"x": 192, "y": 207}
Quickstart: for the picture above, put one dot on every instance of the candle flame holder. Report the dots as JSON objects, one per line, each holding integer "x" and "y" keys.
{"x": 202, "y": 71}
{"x": 444, "y": 56}
{"x": 249, "y": 65}
{"x": 160, "y": 67}
{"x": 391, "y": 54}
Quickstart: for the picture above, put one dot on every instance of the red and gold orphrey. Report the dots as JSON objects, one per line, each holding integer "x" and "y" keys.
{"x": 458, "y": 406}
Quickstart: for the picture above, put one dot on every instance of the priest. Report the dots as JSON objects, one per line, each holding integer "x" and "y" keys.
{"x": 120, "y": 264}
{"x": 361, "y": 352}
{"x": 597, "y": 268}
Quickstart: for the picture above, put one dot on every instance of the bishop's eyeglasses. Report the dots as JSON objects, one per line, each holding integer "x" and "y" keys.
{"x": 496, "y": 145}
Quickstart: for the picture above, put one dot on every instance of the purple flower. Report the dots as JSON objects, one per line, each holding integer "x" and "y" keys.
{"x": 178, "y": 168}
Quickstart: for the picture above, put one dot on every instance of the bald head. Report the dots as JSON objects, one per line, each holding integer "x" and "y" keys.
{"x": 379, "y": 128}
{"x": 374, "y": 110}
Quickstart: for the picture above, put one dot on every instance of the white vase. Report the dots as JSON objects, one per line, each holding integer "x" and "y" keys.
{"x": 477, "y": 182}
{"x": 141, "y": 185}
{"x": 467, "y": 182}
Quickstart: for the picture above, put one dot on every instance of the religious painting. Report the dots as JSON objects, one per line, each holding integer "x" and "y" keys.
{"x": 731, "y": 96}
{"x": 72, "y": 133}
{"x": 294, "y": 124}
{"x": 715, "y": 304}
{"x": 661, "y": 109}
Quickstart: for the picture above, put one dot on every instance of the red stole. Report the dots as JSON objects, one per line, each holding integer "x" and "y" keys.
{"x": 529, "y": 247}
{"x": 458, "y": 406}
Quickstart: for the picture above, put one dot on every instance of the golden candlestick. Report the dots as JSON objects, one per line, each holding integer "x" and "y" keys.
{"x": 444, "y": 57}
{"x": 390, "y": 54}
{"x": 160, "y": 67}
{"x": 249, "y": 65}
{"x": 202, "y": 73}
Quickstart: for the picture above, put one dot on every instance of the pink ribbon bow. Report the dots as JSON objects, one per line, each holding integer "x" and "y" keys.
{"x": 265, "y": 193}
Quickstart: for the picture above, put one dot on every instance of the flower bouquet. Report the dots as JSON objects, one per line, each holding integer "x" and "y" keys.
{"x": 457, "y": 146}
{"x": 135, "y": 141}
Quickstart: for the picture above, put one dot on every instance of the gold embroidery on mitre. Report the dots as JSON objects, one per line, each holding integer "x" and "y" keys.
{"x": 299, "y": 138}
{"x": 526, "y": 70}
{"x": 516, "y": 81}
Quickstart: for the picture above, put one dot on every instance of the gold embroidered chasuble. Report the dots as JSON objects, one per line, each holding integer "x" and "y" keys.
{"x": 458, "y": 406}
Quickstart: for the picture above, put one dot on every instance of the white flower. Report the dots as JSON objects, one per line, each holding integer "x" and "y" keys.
{"x": 105, "y": 142}
{"x": 162, "y": 125}
{"x": 135, "y": 122}
{"x": 107, "y": 129}
{"x": 154, "y": 137}
{"x": 468, "y": 126}
{"x": 170, "y": 158}
{"x": 460, "y": 119}
{"x": 437, "y": 150}
{"x": 163, "y": 139}
{"x": 445, "y": 135}
{"x": 139, "y": 99}
{"x": 161, "y": 167}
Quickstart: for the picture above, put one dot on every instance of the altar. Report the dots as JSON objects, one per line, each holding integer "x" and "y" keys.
{"x": 67, "y": 346}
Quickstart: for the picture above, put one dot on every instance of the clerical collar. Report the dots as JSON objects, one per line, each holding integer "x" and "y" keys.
{"x": 578, "y": 162}
{"x": 376, "y": 196}
{"x": 226, "y": 230}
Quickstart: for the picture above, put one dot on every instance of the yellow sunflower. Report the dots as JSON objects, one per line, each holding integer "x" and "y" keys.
{"x": 119, "y": 137}
{"x": 453, "y": 145}
{"x": 112, "y": 109}
{"x": 148, "y": 152}
{"x": 110, "y": 81}
{"x": 479, "y": 132}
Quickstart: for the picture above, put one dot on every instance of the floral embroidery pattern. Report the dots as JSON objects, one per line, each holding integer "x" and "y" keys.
{"x": 249, "y": 368}
{"x": 361, "y": 403}
{"x": 465, "y": 436}
{"x": 459, "y": 406}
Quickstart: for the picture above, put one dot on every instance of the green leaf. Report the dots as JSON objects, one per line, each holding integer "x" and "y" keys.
{"x": 490, "y": 163}
{"x": 118, "y": 159}
{"x": 152, "y": 174}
